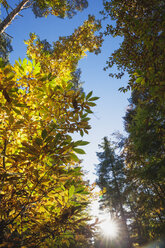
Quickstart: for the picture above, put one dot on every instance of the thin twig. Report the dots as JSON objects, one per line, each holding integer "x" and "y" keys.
{"x": 4, "y": 153}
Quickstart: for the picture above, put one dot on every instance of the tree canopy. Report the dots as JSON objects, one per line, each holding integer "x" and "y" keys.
{"x": 40, "y": 8}
{"x": 133, "y": 200}
{"x": 141, "y": 53}
{"x": 43, "y": 195}
{"x": 44, "y": 198}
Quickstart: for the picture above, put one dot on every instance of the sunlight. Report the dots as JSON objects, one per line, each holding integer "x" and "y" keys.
{"x": 109, "y": 228}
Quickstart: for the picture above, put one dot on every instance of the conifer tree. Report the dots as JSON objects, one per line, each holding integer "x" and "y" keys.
{"x": 110, "y": 172}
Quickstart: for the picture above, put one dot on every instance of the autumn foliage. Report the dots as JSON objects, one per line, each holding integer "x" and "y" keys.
{"x": 42, "y": 193}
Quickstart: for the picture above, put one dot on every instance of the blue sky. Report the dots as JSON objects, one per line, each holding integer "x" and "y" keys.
{"x": 112, "y": 104}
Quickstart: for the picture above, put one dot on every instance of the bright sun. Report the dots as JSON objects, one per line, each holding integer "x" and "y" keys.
{"x": 109, "y": 228}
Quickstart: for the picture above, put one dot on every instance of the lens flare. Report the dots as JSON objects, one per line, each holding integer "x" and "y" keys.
{"x": 109, "y": 228}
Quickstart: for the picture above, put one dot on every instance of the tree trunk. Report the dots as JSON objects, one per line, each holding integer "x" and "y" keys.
{"x": 7, "y": 21}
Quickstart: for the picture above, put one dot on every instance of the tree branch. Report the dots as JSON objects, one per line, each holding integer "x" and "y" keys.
{"x": 7, "y": 21}
{"x": 4, "y": 153}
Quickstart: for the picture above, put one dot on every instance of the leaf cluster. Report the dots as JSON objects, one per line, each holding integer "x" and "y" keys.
{"x": 141, "y": 53}
{"x": 42, "y": 194}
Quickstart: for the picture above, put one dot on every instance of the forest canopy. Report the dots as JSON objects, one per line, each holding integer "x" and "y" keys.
{"x": 44, "y": 198}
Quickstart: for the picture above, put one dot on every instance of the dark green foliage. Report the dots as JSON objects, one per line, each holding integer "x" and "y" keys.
{"x": 145, "y": 123}
{"x": 111, "y": 177}
{"x": 110, "y": 165}
{"x": 141, "y": 54}
{"x": 76, "y": 80}
{"x": 145, "y": 159}
{"x": 133, "y": 196}
{"x": 145, "y": 201}
{"x": 5, "y": 47}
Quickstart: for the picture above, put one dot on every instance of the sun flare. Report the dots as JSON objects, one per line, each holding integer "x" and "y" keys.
{"x": 109, "y": 228}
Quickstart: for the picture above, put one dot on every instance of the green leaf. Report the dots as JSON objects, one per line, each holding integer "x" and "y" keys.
{"x": 84, "y": 143}
{"x": 20, "y": 105}
{"x": 92, "y": 104}
{"x": 86, "y": 119}
{"x": 89, "y": 111}
{"x": 30, "y": 64}
{"x": 74, "y": 157}
{"x": 48, "y": 139}
{"x": 52, "y": 83}
{"x": 83, "y": 95}
{"x": 38, "y": 141}
{"x": 40, "y": 89}
{"x": 24, "y": 63}
{"x": 138, "y": 80}
{"x": 84, "y": 115}
{"x": 22, "y": 69}
{"x": 34, "y": 62}
{"x": 44, "y": 134}
{"x": 94, "y": 98}
{"x": 71, "y": 191}
{"x": 89, "y": 95}
{"x": 2, "y": 63}
{"x": 69, "y": 86}
{"x": 77, "y": 168}
{"x": 79, "y": 151}
{"x": 44, "y": 78}
{"x": 37, "y": 68}
{"x": 81, "y": 143}
{"x": 81, "y": 133}
{"x": 17, "y": 111}
{"x": 58, "y": 136}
